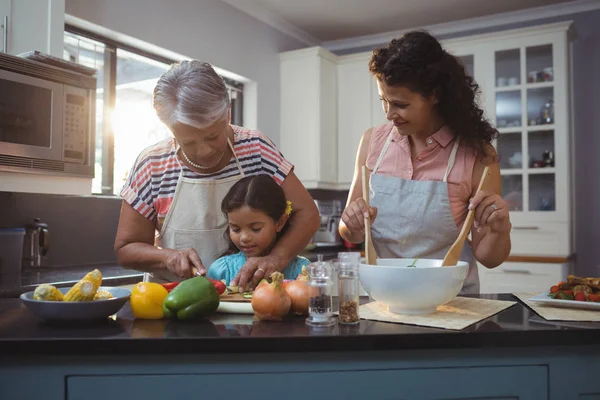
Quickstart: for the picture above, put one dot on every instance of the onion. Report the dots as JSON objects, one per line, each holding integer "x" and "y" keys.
{"x": 298, "y": 292}
{"x": 269, "y": 301}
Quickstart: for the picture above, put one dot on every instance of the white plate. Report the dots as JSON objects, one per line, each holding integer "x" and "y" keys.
{"x": 543, "y": 298}
{"x": 231, "y": 307}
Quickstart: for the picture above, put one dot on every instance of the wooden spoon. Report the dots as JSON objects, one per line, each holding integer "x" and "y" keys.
{"x": 370, "y": 253}
{"x": 454, "y": 251}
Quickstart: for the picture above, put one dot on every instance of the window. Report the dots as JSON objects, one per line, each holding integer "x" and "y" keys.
{"x": 125, "y": 119}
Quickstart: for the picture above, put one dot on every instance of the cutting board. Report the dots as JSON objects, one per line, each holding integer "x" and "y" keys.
{"x": 234, "y": 298}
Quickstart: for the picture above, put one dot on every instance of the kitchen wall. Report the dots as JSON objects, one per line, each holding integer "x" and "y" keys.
{"x": 210, "y": 30}
{"x": 82, "y": 228}
{"x": 586, "y": 93}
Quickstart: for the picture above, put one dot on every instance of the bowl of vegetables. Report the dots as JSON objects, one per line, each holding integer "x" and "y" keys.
{"x": 409, "y": 286}
{"x": 86, "y": 300}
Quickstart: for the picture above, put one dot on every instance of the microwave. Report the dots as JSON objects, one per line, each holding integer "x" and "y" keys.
{"x": 47, "y": 118}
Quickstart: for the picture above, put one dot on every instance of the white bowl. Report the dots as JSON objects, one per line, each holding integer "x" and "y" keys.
{"x": 412, "y": 290}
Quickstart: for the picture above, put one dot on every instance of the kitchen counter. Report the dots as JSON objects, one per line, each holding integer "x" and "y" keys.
{"x": 514, "y": 353}
{"x": 22, "y": 333}
{"x": 112, "y": 275}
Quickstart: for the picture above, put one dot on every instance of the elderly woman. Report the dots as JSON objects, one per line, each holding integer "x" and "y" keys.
{"x": 171, "y": 220}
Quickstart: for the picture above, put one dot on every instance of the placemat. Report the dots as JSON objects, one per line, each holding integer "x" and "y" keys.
{"x": 557, "y": 313}
{"x": 457, "y": 314}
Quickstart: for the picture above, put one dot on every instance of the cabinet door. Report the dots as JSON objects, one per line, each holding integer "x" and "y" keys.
{"x": 354, "y": 114}
{"x": 510, "y": 382}
{"x": 511, "y": 277}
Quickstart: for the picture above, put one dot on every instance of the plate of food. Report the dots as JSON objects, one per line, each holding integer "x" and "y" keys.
{"x": 86, "y": 300}
{"x": 577, "y": 292}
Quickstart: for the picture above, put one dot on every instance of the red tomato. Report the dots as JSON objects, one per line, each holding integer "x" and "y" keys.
{"x": 554, "y": 289}
{"x": 594, "y": 298}
{"x": 568, "y": 292}
{"x": 580, "y": 296}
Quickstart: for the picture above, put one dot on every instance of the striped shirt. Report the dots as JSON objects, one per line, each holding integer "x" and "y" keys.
{"x": 150, "y": 186}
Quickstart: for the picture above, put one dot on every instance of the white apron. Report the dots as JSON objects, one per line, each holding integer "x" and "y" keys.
{"x": 414, "y": 218}
{"x": 195, "y": 220}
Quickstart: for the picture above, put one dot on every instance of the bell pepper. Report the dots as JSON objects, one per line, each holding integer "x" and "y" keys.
{"x": 220, "y": 286}
{"x": 147, "y": 299}
{"x": 192, "y": 299}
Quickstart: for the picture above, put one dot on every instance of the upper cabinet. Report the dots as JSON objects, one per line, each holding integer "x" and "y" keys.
{"x": 32, "y": 25}
{"x": 524, "y": 75}
{"x": 308, "y": 130}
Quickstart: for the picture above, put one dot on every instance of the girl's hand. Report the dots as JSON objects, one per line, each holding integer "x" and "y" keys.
{"x": 354, "y": 215}
{"x": 490, "y": 211}
{"x": 255, "y": 269}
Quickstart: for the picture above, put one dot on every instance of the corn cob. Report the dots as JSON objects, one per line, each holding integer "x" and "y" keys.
{"x": 86, "y": 288}
{"x": 103, "y": 295}
{"x": 47, "y": 292}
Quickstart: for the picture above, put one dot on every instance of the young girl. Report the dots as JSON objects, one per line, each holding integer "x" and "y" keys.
{"x": 257, "y": 212}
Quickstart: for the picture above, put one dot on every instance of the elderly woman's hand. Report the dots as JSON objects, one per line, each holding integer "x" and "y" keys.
{"x": 255, "y": 269}
{"x": 181, "y": 262}
{"x": 490, "y": 211}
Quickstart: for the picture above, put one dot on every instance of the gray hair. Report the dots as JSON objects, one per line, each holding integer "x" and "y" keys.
{"x": 191, "y": 93}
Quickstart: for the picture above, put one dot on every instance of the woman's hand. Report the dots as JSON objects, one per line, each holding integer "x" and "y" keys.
{"x": 181, "y": 262}
{"x": 490, "y": 211}
{"x": 255, "y": 269}
{"x": 354, "y": 215}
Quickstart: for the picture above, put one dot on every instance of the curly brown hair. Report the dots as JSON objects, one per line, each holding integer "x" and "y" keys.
{"x": 417, "y": 61}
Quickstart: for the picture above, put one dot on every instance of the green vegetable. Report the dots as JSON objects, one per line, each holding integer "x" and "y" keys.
{"x": 413, "y": 263}
{"x": 191, "y": 299}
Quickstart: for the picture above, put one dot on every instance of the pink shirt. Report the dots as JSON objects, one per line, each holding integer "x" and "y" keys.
{"x": 429, "y": 165}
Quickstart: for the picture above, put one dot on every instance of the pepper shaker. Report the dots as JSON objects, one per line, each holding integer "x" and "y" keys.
{"x": 320, "y": 294}
{"x": 348, "y": 288}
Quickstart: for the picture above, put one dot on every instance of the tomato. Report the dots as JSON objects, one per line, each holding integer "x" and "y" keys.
{"x": 580, "y": 296}
{"x": 594, "y": 298}
{"x": 564, "y": 295}
{"x": 554, "y": 289}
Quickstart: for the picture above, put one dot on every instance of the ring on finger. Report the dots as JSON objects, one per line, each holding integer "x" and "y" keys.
{"x": 260, "y": 269}
{"x": 494, "y": 207}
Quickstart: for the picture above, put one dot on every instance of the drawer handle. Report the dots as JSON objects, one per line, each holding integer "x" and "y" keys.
{"x": 528, "y": 228}
{"x": 517, "y": 271}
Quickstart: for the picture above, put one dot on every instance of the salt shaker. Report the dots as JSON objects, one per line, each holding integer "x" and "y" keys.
{"x": 319, "y": 291}
{"x": 348, "y": 288}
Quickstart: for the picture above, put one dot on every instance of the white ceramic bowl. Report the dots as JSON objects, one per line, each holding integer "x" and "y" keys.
{"x": 412, "y": 290}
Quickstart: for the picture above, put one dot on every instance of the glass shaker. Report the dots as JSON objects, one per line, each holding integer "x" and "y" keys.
{"x": 348, "y": 288}
{"x": 320, "y": 294}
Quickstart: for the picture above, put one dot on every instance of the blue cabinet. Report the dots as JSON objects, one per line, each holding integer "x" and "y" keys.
{"x": 502, "y": 382}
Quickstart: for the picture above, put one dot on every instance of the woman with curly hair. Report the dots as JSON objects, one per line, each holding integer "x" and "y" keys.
{"x": 426, "y": 162}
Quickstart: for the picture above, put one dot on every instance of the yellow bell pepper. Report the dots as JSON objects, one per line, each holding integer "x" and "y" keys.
{"x": 146, "y": 300}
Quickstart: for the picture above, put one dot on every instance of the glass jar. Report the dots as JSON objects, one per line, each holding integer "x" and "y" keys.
{"x": 348, "y": 288}
{"x": 320, "y": 294}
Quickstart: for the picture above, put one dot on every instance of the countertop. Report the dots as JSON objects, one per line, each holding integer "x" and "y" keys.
{"x": 112, "y": 275}
{"x": 21, "y": 333}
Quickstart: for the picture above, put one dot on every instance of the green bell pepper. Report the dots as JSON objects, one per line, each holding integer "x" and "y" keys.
{"x": 191, "y": 299}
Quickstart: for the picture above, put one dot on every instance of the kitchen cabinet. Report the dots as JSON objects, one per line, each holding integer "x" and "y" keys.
{"x": 514, "y": 382}
{"x": 513, "y": 277}
{"x": 308, "y": 134}
{"x": 32, "y": 25}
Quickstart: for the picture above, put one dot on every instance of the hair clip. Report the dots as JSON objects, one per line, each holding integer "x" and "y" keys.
{"x": 288, "y": 207}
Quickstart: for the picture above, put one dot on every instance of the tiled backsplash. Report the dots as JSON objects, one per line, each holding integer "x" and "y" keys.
{"x": 82, "y": 228}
